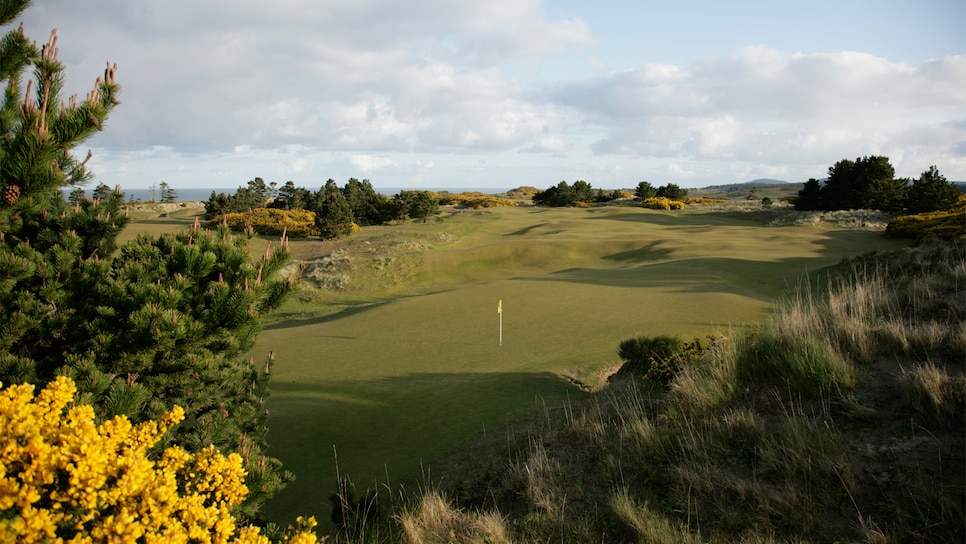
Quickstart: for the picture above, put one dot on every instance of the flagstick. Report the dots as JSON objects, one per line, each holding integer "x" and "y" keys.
{"x": 499, "y": 310}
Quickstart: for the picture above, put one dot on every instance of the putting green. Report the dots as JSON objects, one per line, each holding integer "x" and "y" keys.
{"x": 393, "y": 384}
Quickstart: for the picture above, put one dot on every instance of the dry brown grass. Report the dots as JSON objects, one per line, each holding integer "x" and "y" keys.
{"x": 436, "y": 521}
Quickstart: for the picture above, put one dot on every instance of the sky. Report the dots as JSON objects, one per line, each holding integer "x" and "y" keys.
{"x": 470, "y": 94}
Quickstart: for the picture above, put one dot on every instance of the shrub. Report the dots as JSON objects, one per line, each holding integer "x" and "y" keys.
{"x": 663, "y": 371}
{"x": 659, "y": 359}
{"x": 479, "y": 202}
{"x": 66, "y": 477}
{"x": 948, "y": 225}
{"x": 272, "y": 221}
{"x": 662, "y": 203}
{"x": 637, "y": 350}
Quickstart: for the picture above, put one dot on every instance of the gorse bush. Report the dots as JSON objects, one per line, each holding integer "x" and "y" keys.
{"x": 471, "y": 199}
{"x": 66, "y": 478}
{"x": 642, "y": 353}
{"x": 659, "y": 359}
{"x": 661, "y": 203}
{"x": 271, "y": 222}
{"x": 946, "y": 224}
{"x": 487, "y": 202}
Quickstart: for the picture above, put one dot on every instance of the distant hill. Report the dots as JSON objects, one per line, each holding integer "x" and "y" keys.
{"x": 760, "y": 182}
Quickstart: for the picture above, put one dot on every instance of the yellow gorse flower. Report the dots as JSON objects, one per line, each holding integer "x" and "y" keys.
{"x": 64, "y": 478}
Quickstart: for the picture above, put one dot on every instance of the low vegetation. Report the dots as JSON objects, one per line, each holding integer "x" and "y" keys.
{"x": 472, "y": 200}
{"x": 946, "y": 224}
{"x": 662, "y": 203}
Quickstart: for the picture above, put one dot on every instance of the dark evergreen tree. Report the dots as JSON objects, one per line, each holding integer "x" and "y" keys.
{"x": 557, "y": 196}
{"x": 415, "y": 205}
{"x": 866, "y": 183}
{"x": 77, "y": 195}
{"x": 256, "y": 195}
{"x": 645, "y": 190}
{"x": 102, "y": 192}
{"x": 291, "y": 197}
{"x": 931, "y": 192}
{"x": 157, "y": 322}
{"x": 218, "y": 204}
{"x": 583, "y": 192}
{"x": 333, "y": 216}
{"x": 168, "y": 194}
{"x": 368, "y": 206}
{"x": 672, "y": 192}
{"x": 809, "y": 196}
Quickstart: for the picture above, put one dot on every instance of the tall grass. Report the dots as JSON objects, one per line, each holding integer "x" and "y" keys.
{"x": 435, "y": 520}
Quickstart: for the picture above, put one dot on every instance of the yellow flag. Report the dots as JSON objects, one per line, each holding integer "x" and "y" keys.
{"x": 499, "y": 307}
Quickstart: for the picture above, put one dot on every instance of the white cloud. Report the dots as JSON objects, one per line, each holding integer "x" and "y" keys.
{"x": 216, "y": 87}
{"x": 768, "y": 107}
{"x": 369, "y": 163}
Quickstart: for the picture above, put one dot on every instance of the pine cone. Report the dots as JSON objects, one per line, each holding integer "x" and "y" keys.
{"x": 10, "y": 194}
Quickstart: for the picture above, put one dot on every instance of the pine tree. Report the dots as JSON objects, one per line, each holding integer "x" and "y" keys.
{"x": 368, "y": 206}
{"x": 333, "y": 216}
{"x": 866, "y": 183}
{"x": 931, "y": 192}
{"x": 168, "y": 194}
{"x": 140, "y": 328}
{"x": 809, "y": 196}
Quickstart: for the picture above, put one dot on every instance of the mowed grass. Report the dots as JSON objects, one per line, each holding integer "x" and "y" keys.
{"x": 403, "y": 363}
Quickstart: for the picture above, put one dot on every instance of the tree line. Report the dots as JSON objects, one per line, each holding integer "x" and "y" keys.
{"x": 582, "y": 193}
{"x": 336, "y": 209}
{"x": 870, "y": 183}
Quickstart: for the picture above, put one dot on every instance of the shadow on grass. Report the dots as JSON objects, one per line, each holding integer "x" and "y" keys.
{"x": 702, "y": 219}
{"x": 388, "y": 428}
{"x": 763, "y": 279}
{"x": 291, "y": 322}
{"x": 525, "y": 230}
{"x": 759, "y": 279}
{"x": 645, "y": 253}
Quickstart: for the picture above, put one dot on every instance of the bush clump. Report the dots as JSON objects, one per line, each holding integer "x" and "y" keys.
{"x": 659, "y": 359}
{"x": 271, "y": 221}
{"x": 661, "y": 203}
{"x": 64, "y": 476}
{"x": 946, "y": 224}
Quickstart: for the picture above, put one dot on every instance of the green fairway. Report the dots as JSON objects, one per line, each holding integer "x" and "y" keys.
{"x": 403, "y": 363}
